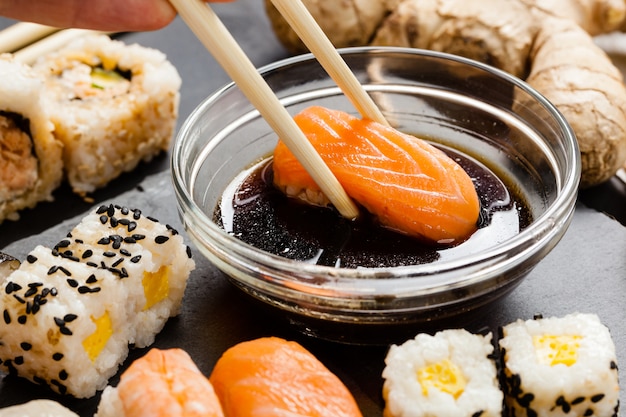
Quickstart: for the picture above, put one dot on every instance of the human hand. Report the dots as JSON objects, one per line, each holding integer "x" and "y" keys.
{"x": 106, "y": 15}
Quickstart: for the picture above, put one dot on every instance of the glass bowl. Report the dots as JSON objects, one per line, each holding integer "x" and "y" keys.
{"x": 495, "y": 118}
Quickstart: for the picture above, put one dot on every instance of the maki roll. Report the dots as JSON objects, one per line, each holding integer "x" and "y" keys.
{"x": 71, "y": 312}
{"x": 113, "y": 105}
{"x": 563, "y": 366}
{"x": 31, "y": 165}
{"x": 451, "y": 373}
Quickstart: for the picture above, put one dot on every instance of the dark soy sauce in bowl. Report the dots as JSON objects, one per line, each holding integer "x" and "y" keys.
{"x": 254, "y": 211}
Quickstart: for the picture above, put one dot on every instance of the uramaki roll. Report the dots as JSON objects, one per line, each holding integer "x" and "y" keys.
{"x": 31, "y": 165}
{"x": 113, "y": 105}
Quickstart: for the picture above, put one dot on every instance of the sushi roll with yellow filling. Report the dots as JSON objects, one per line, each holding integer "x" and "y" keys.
{"x": 451, "y": 373}
{"x": 113, "y": 105}
{"x": 69, "y": 313}
{"x": 31, "y": 165}
{"x": 560, "y": 366}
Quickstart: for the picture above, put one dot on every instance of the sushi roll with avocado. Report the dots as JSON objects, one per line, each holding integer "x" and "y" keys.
{"x": 113, "y": 105}
{"x": 69, "y": 313}
{"x": 560, "y": 366}
{"x": 31, "y": 164}
{"x": 451, "y": 373}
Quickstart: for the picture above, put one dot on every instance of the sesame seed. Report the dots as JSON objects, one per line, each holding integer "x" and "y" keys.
{"x": 7, "y": 316}
{"x": 129, "y": 240}
{"x": 597, "y": 398}
{"x": 12, "y": 287}
{"x": 152, "y": 219}
{"x": 30, "y": 292}
{"x": 135, "y": 259}
{"x": 54, "y": 291}
{"x": 63, "y": 375}
{"x": 87, "y": 254}
{"x": 72, "y": 282}
{"x": 109, "y": 254}
{"x": 62, "y": 244}
{"x": 26, "y": 346}
{"x": 136, "y": 214}
{"x": 64, "y": 330}
{"x": 125, "y": 252}
{"x": 138, "y": 236}
{"x": 103, "y": 219}
{"x": 31, "y": 259}
{"x": 19, "y": 360}
{"x": 125, "y": 211}
{"x": 19, "y": 299}
{"x": 92, "y": 278}
{"x": 21, "y": 319}
{"x": 101, "y": 209}
{"x": 114, "y": 222}
{"x": 57, "y": 356}
{"x": 161, "y": 239}
{"x": 188, "y": 252}
{"x": 111, "y": 210}
{"x": 116, "y": 263}
{"x": 92, "y": 264}
{"x": 104, "y": 241}
{"x": 83, "y": 289}
{"x": 68, "y": 318}
{"x": 132, "y": 226}
{"x": 52, "y": 269}
{"x": 65, "y": 271}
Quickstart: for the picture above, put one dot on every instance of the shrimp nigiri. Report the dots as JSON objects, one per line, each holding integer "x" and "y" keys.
{"x": 408, "y": 184}
{"x": 274, "y": 377}
{"x": 161, "y": 383}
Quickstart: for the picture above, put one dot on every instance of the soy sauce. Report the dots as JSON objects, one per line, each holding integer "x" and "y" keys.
{"x": 254, "y": 211}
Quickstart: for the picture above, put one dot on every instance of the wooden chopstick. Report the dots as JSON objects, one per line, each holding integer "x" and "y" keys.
{"x": 305, "y": 26}
{"x": 22, "y": 34}
{"x": 209, "y": 29}
{"x": 30, "y": 53}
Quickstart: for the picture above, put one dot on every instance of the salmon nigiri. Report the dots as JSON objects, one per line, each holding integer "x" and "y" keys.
{"x": 161, "y": 383}
{"x": 274, "y": 377}
{"x": 408, "y": 184}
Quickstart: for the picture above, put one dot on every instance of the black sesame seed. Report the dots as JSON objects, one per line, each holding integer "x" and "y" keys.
{"x": 597, "y": 398}
{"x": 125, "y": 211}
{"x": 104, "y": 241}
{"x": 613, "y": 365}
{"x": 26, "y": 346}
{"x": 111, "y": 210}
{"x": 95, "y": 289}
{"x": 35, "y": 284}
{"x": 45, "y": 292}
{"x": 87, "y": 254}
{"x": 12, "y": 287}
{"x": 57, "y": 356}
{"x": 103, "y": 219}
{"x": 79, "y": 241}
{"x": 114, "y": 222}
{"x": 132, "y": 226}
{"x": 138, "y": 236}
{"x": 578, "y": 400}
{"x": 129, "y": 240}
{"x": 54, "y": 291}
{"x": 64, "y": 330}
{"x": 92, "y": 264}
{"x": 83, "y": 289}
{"x": 65, "y": 271}
{"x": 29, "y": 307}
{"x": 188, "y": 252}
{"x": 135, "y": 259}
{"x": 588, "y": 412}
{"x": 116, "y": 263}
{"x": 92, "y": 278}
{"x": 19, "y": 360}
{"x": 101, "y": 209}
{"x": 68, "y": 318}
{"x": 7, "y": 316}
{"x": 21, "y": 319}
{"x": 30, "y": 292}
{"x": 72, "y": 282}
{"x": 53, "y": 269}
{"x": 137, "y": 213}
{"x": 161, "y": 239}
{"x": 31, "y": 259}
{"x": 109, "y": 254}
{"x": 19, "y": 299}
{"x": 62, "y": 244}
{"x": 124, "y": 222}
{"x": 35, "y": 307}
{"x": 59, "y": 321}
{"x": 125, "y": 252}
{"x": 63, "y": 375}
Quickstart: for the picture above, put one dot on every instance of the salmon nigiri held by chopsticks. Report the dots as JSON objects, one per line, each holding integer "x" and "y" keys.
{"x": 408, "y": 184}
{"x": 271, "y": 377}
{"x": 163, "y": 383}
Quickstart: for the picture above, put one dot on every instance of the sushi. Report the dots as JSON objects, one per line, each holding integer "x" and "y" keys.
{"x": 161, "y": 383}
{"x": 450, "y": 373}
{"x": 37, "y": 408}
{"x": 271, "y": 376}
{"x": 560, "y": 366}
{"x": 407, "y": 184}
{"x": 113, "y": 105}
{"x": 31, "y": 165}
{"x": 69, "y": 313}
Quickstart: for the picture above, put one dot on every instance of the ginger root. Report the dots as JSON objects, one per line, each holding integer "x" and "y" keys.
{"x": 546, "y": 42}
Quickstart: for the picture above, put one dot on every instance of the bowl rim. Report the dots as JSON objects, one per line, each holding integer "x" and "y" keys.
{"x": 528, "y": 241}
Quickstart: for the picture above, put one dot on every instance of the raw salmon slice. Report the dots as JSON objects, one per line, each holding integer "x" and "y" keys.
{"x": 274, "y": 377}
{"x": 407, "y": 183}
{"x": 161, "y": 383}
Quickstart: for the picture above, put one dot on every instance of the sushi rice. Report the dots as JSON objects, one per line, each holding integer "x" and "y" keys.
{"x": 31, "y": 166}
{"x": 113, "y": 105}
{"x": 71, "y": 312}
{"x": 449, "y": 374}
{"x": 560, "y": 366}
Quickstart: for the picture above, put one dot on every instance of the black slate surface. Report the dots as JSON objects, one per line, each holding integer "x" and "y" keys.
{"x": 586, "y": 272}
